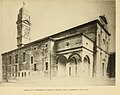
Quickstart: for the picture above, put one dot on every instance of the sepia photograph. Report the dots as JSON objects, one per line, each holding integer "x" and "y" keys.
{"x": 57, "y": 43}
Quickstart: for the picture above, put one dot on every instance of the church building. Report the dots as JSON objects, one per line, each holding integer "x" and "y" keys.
{"x": 81, "y": 52}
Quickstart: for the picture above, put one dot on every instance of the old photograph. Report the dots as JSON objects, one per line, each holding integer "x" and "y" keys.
{"x": 57, "y": 43}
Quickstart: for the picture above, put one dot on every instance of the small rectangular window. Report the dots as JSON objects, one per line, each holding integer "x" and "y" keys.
{"x": 103, "y": 67}
{"x": 107, "y": 46}
{"x": 18, "y": 74}
{"x": 46, "y": 66}
{"x": 22, "y": 74}
{"x": 9, "y": 59}
{"x": 3, "y": 69}
{"x": 31, "y": 59}
{"x": 15, "y": 68}
{"x": 16, "y": 58}
{"x": 103, "y": 41}
{"x": 24, "y": 56}
{"x": 25, "y": 74}
{"x": 10, "y": 74}
{"x": 35, "y": 67}
{"x": 98, "y": 40}
{"x": 69, "y": 71}
{"x": 15, "y": 74}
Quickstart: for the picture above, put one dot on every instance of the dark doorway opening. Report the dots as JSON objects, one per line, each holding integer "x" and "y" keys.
{"x": 35, "y": 67}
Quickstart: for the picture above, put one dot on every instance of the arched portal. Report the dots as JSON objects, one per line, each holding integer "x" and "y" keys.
{"x": 73, "y": 65}
{"x": 61, "y": 66}
{"x": 86, "y": 66}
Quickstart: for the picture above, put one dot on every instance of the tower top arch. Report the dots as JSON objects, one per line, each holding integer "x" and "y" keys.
{"x": 23, "y": 9}
{"x": 23, "y": 26}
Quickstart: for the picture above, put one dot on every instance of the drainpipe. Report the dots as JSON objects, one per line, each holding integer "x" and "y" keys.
{"x": 50, "y": 61}
{"x": 50, "y": 58}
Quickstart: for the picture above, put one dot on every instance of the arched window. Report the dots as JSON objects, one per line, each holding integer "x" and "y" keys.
{"x": 60, "y": 59}
{"x": 77, "y": 58}
{"x": 86, "y": 59}
{"x": 61, "y": 66}
{"x": 72, "y": 61}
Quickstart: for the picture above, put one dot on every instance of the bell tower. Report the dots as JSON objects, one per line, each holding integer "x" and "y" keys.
{"x": 23, "y": 27}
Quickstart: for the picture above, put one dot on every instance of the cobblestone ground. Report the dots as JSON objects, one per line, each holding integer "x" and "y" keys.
{"x": 37, "y": 82}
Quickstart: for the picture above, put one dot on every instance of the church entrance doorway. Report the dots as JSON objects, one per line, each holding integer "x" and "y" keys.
{"x": 73, "y": 65}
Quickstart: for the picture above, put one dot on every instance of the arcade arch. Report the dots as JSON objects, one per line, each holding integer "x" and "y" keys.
{"x": 86, "y": 66}
{"x": 73, "y": 65}
{"x": 61, "y": 66}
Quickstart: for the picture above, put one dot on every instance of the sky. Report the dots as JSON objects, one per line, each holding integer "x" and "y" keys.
{"x": 52, "y": 16}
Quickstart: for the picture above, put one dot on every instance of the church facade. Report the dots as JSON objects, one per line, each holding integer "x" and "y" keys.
{"x": 81, "y": 51}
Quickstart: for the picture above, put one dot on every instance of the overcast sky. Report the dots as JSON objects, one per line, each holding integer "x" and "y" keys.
{"x": 52, "y": 16}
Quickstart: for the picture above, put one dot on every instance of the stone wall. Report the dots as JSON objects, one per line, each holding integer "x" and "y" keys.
{"x": 40, "y": 54}
{"x": 102, "y": 52}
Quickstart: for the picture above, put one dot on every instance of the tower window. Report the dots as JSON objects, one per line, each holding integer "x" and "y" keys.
{"x": 46, "y": 45}
{"x": 106, "y": 36}
{"x": 24, "y": 56}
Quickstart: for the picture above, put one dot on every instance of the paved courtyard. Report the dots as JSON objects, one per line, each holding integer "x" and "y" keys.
{"x": 71, "y": 82}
